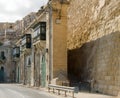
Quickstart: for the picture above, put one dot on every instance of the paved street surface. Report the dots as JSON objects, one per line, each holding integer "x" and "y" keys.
{"x": 17, "y": 91}
{"x": 14, "y": 91}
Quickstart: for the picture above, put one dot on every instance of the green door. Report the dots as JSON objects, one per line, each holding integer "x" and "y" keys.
{"x": 43, "y": 72}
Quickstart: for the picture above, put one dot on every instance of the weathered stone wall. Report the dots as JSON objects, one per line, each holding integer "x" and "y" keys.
{"x": 91, "y": 19}
{"x": 59, "y": 17}
{"x": 93, "y": 43}
{"x": 99, "y": 61}
{"x": 7, "y": 63}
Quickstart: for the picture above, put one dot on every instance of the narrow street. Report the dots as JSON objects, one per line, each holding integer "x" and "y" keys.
{"x": 14, "y": 91}
{"x": 60, "y": 49}
{"x": 17, "y": 91}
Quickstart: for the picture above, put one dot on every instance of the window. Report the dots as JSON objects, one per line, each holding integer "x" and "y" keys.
{"x": 43, "y": 31}
{"x": 16, "y": 51}
{"x": 39, "y": 31}
{"x": 29, "y": 61}
{"x": 26, "y": 41}
{"x": 2, "y": 55}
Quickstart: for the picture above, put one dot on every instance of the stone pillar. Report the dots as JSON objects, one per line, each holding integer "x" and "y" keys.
{"x": 32, "y": 66}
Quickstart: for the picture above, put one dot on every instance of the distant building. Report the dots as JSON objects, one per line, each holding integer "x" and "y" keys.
{"x": 18, "y": 27}
{"x": 7, "y": 65}
{"x": 28, "y": 19}
{"x": 22, "y": 28}
{"x": 7, "y": 31}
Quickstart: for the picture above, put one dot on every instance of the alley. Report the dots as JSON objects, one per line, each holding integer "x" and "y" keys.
{"x": 14, "y": 91}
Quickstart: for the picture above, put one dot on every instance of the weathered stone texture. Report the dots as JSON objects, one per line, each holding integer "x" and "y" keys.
{"x": 99, "y": 61}
{"x": 7, "y": 63}
{"x": 96, "y": 22}
{"x": 59, "y": 42}
{"x": 91, "y": 19}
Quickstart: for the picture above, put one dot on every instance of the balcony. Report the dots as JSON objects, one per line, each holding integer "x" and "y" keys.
{"x": 26, "y": 41}
{"x": 39, "y": 34}
{"x": 16, "y": 52}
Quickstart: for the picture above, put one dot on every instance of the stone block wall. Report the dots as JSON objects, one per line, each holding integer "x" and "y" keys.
{"x": 98, "y": 61}
{"x": 93, "y": 43}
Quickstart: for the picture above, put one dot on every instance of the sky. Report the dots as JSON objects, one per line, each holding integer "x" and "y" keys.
{"x": 12, "y": 10}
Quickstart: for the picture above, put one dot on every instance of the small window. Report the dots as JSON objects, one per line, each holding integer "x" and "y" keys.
{"x": 43, "y": 30}
{"x": 2, "y": 55}
{"x": 29, "y": 61}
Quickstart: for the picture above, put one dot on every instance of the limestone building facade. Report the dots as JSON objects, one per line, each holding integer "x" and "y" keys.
{"x": 7, "y": 31}
{"x": 57, "y": 46}
{"x": 7, "y": 65}
{"x": 82, "y": 41}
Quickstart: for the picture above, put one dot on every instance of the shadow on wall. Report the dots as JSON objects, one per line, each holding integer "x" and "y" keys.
{"x": 87, "y": 62}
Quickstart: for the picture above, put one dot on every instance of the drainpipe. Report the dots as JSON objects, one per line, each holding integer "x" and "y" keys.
{"x": 50, "y": 43}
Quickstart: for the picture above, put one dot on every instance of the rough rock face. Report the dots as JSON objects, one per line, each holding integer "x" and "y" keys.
{"x": 93, "y": 43}
{"x": 91, "y": 19}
